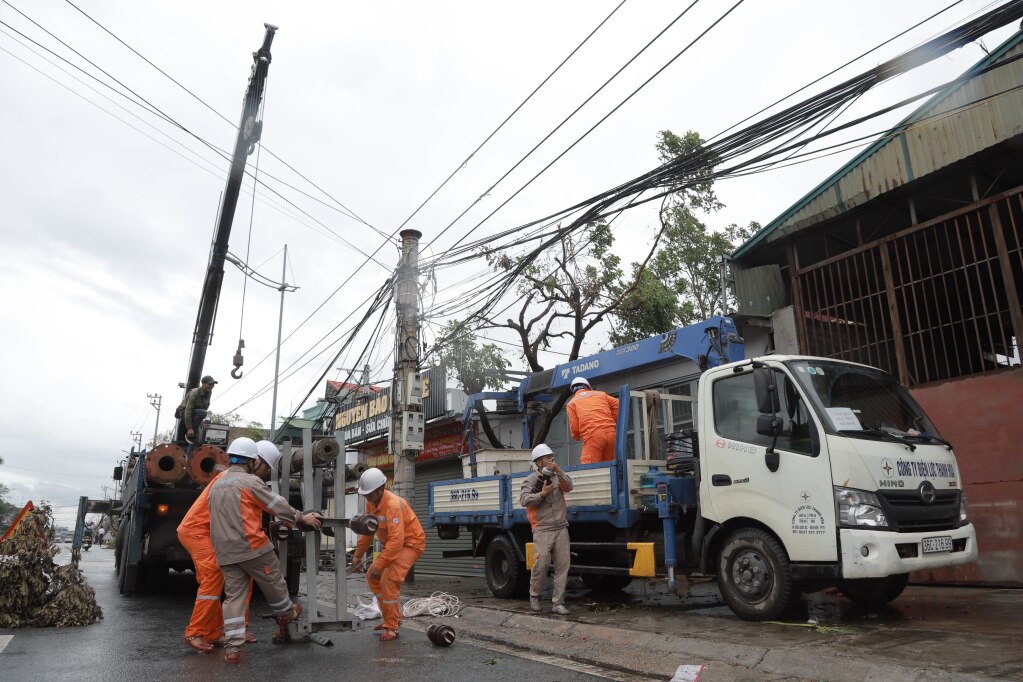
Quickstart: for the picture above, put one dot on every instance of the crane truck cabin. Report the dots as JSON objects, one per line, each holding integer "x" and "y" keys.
{"x": 807, "y": 471}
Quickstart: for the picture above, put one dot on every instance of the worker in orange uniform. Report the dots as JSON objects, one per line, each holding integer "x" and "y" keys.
{"x": 403, "y": 543}
{"x": 592, "y": 416}
{"x": 205, "y": 629}
{"x": 237, "y": 500}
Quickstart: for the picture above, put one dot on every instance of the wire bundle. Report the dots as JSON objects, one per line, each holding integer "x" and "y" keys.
{"x": 439, "y": 604}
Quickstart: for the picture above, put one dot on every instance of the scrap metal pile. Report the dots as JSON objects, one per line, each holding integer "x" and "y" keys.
{"x": 34, "y": 590}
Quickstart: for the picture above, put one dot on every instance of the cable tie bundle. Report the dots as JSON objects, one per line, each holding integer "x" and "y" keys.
{"x": 437, "y": 604}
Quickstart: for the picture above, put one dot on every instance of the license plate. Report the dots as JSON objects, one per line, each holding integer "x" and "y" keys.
{"x": 942, "y": 543}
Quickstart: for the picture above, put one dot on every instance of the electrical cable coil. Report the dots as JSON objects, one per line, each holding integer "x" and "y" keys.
{"x": 437, "y": 604}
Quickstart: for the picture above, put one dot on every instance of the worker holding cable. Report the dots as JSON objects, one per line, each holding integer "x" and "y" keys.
{"x": 403, "y": 542}
{"x": 237, "y": 500}
{"x": 592, "y": 418}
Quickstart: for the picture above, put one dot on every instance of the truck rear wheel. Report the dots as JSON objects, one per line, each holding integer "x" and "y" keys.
{"x": 874, "y": 591}
{"x": 606, "y": 583}
{"x": 753, "y": 574}
{"x": 506, "y": 575}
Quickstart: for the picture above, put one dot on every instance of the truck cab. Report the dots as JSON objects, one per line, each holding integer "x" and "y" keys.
{"x": 818, "y": 470}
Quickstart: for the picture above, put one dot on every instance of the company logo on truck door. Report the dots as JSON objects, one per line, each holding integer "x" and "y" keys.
{"x": 581, "y": 368}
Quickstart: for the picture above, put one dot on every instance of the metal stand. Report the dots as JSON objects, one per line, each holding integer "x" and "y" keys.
{"x": 313, "y": 621}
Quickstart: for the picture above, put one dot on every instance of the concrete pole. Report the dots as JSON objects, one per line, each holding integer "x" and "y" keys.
{"x": 406, "y": 361}
{"x": 156, "y": 400}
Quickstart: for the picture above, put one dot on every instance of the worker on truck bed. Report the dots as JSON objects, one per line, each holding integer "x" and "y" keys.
{"x": 403, "y": 541}
{"x": 542, "y": 493}
{"x": 237, "y": 500}
{"x": 197, "y": 402}
{"x": 592, "y": 416}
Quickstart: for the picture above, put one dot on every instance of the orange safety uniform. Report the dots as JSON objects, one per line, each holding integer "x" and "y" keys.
{"x": 592, "y": 416}
{"x": 403, "y": 541}
{"x": 194, "y": 534}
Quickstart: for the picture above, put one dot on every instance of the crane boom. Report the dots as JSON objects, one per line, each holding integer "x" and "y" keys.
{"x": 249, "y": 131}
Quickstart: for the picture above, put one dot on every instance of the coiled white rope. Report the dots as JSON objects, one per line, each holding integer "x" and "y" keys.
{"x": 437, "y": 604}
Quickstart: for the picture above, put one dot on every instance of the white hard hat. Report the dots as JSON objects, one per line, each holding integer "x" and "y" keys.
{"x": 269, "y": 453}
{"x": 242, "y": 447}
{"x": 580, "y": 381}
{"x": 541, "y": 450}
{"x": 370, "y": 480}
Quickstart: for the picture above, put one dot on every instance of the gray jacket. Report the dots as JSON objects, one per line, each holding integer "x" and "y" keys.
{"x": 237, "y": 500}
{"x": 545, "y": 513}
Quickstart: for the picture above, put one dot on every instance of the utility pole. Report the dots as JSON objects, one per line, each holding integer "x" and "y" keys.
{"x": 283, "y": 288}
{"x": 137, "y": 437}
{"x": 407, "y": 423}
{"x": 155, "y": 399}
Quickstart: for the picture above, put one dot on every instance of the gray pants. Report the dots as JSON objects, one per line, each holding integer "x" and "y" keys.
{"x": 550, "y": 545}
{"x": 263, "y": 570}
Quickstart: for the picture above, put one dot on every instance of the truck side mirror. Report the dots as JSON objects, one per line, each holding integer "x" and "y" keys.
{"x": 768, "y": 404}
{"x": 766, "y": 391}
{"x": 769, "y": 425}
{"x": 118, "y": 473}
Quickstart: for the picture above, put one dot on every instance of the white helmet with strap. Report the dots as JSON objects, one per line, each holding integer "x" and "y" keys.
{"x": 269, "y": 453}
{"x": 579, "y": 382}
{"x": 242, "y": 447}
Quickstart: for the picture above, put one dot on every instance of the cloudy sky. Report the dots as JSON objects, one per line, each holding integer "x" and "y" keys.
{"x": 107, "y": 209}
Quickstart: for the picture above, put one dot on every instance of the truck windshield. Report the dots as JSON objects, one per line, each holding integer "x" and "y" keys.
{"x": 861, "y": 400}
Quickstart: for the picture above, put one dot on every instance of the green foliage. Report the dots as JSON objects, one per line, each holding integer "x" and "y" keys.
{"x": 7, "y": 510}
{"x": 682, "y": 282}
{"x": 239, "y": 426}
{"x": 475, "y": 367}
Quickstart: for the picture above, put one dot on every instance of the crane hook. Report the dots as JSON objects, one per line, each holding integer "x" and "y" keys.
{"x": 239, "y": 360}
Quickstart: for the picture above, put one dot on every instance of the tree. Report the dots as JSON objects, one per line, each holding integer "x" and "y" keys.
{"x": 237, "y": 425}
{"x": 681, "y": 284}
{"x": 7, "y": 510}
{"x": 565, "y": 295}
{"x": 474, "y": 367}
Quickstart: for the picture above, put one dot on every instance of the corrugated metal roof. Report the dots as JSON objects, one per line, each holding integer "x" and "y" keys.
{"x": 913, "y": 149}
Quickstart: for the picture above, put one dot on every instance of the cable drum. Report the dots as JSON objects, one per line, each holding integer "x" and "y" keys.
{"x": 325, "y": 452}
{"x": 165, "y": 464}
{"x": 202, "y": 464}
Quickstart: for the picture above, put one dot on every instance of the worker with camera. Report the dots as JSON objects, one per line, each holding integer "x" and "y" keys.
{"x": 543, "y": 495}
{"x": 403, "y": 542}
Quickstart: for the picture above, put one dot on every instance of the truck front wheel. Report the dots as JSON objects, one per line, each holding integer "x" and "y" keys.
{"x": 506, "y": 575}
{"x": 753, "y": 574}
{"x": 874, "y": 591}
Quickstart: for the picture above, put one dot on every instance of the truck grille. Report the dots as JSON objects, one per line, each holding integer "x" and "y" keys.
{"x": 909, "y": 514}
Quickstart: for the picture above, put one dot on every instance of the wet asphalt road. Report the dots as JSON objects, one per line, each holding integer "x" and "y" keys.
{"x": 140, "y": 638}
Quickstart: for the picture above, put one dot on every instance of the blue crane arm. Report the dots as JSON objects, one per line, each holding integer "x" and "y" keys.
{"x": 708, "y": 344}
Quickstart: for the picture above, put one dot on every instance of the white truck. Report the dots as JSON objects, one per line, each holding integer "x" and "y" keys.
{"x": 796, "y": 472}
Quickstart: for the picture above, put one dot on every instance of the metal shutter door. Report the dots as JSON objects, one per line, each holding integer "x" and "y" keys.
{"x": 432, "y": 561}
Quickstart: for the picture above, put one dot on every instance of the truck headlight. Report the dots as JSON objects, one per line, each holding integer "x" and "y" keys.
{"x": 962, "y": 508}
{"x": 859, "y": 508}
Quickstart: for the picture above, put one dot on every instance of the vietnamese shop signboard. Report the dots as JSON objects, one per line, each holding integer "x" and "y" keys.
{"x": 367, "y": 417}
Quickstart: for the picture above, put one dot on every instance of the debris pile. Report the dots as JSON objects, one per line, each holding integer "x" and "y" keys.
{"x": 35, "y": 591}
